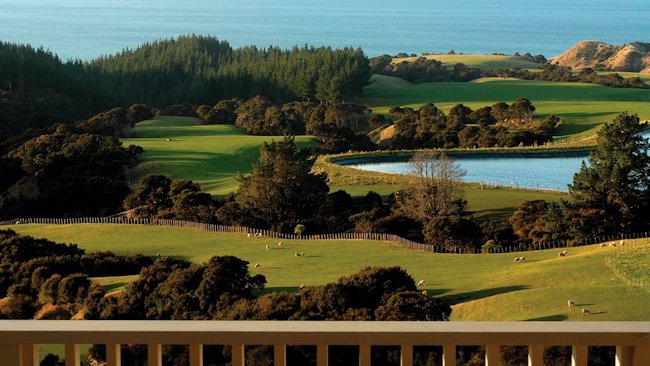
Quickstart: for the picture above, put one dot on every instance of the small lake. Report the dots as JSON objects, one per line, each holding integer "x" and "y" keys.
{"x": 534, "y": 171}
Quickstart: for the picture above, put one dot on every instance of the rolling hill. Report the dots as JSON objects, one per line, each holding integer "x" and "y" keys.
{"x": 630, "y": 57}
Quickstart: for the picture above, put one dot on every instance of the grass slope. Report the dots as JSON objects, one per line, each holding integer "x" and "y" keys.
{"x": 481, "y": 287}
{"x": 210, "y": 155}
{"x": 485, "y": 62}
{"x": 582, "y": 106}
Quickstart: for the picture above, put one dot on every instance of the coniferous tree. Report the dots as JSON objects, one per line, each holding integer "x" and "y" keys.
{"x": 611, "y": 195}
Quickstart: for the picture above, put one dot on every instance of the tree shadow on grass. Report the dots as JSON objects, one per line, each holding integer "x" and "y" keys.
{"x": 548, "y": 318}
{"x": 481, "y": 294}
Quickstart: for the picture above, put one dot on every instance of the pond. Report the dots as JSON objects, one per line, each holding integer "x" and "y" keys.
{"x": 524, "y": 170}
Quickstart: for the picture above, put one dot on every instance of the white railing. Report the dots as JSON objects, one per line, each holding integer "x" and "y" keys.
{"x": 18, "y": 338}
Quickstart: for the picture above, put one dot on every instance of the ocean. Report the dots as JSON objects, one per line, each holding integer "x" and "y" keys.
{"x": 87, "y": 29}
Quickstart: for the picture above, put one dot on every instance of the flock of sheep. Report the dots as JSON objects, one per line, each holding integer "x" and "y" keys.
{"x": 521, "y": 259}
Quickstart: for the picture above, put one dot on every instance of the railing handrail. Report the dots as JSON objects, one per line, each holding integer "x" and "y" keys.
{"x": 330, "y": 332}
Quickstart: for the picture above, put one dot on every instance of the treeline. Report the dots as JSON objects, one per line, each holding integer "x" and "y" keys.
{"x": 38, "y": 89}
{"x": 557, "y": 73}
{"x": 502, "y": 124}
{"x": 424, "y": 70}
{"x": 71, "y": 170}
{"x": 34, "y": 272}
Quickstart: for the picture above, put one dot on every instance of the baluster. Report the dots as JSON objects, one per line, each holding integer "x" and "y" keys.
{"x": 579, "y": 356}
{"x": 406, "y": 355}
{"x": 492, "y": 355}
{"x": 322, "y": 355}
{"x": 196, "y": 355}
{"x": 279, "y": 355}
{"x": 364, "y": 355}
{"x": 238, "y": 355}
{"x": 72, "y": 357}
{"x": 154, "y": 355}
{"x": 535, "y": 355}
{"x": 113, "y": 355}
{"x": 448, "y": 355}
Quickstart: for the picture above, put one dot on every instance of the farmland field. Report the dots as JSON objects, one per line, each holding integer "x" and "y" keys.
{"x": 494, "y": 289}
{"x": 479, "y": 61}
{"x": 582, "y": 106}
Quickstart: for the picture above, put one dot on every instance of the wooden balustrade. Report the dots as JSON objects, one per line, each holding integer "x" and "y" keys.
{"x": 19, "y": 338}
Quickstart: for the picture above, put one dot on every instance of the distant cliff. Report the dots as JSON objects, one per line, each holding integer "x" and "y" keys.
{"x": 634, "y": 57}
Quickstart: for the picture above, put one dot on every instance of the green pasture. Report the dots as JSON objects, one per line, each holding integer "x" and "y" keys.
{"x": 485, "y": 62}
{"x": 481, "y": 286}
{"x": 210, "y": 155}
{"x": 582, "y": 106}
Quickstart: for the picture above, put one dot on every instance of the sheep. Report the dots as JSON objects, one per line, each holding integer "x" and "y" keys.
{"x": 612, "y": 244}
{"x": 299, "y": 254}
{"x": 267, "y": 247}
{"x": 571, "y": 303}
{"x": 302, "y": 254}
{"x": 585, "y": 311}
{"x": 564, "y": 253}
{"x": 18, "y": 222}
{"x": 621, "y": 243}
{"x": 257, "y": 265}
{"x": 301, "y": 286}
{"x": 422, "y": 283}
{"x": 168, "y": 140}
{"x": 519, "y": 259}
{"x": 280, "y": 244}
{"x": 248, "y": 235}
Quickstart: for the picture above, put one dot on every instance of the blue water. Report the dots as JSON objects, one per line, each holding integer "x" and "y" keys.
{"x": 90, "y": 28}
{"x": 524, "y": 171}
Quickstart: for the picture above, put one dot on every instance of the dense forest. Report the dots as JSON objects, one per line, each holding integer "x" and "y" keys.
{"x": 37, "y": 89}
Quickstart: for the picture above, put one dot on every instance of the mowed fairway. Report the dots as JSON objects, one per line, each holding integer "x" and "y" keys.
{"x": 210, "y": 155}
{"x": 582, "y": 106}
{"x": 482, "y": 287}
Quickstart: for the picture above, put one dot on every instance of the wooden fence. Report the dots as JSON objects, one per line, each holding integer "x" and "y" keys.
{"x": 334, "y": 236}
{"x": 610, "y": 261}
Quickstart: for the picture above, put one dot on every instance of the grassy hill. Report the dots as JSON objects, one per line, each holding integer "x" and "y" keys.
{"x": 210, "y": 155}
{"x": 481, "y": 287}
{"x": 582, "y": 106}
{"x": 485, "y": 62}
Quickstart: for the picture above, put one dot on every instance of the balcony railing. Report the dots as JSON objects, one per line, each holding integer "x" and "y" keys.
{"x": 18, "y": 338}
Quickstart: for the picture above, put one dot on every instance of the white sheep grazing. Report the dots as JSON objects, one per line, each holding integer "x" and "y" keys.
{"x": 267, "y": 247}
{"x": 257, "y": 265}
{"x": 297, "y": 254}
{"x": 280, "y": 244}
{"x": 522, "y": 259}
{"x": 585, "y": 311}
{"x": 564, "y": 253}
{"x": 248, "y": 235}
{"x": 301, "y": 286}
{"x": 571, "y": 303}
{"x": 168, "y": 140}
{"x": 516, "y": 260}
{"x": 422, "y": 283}
{"x": 612, "y": 244}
